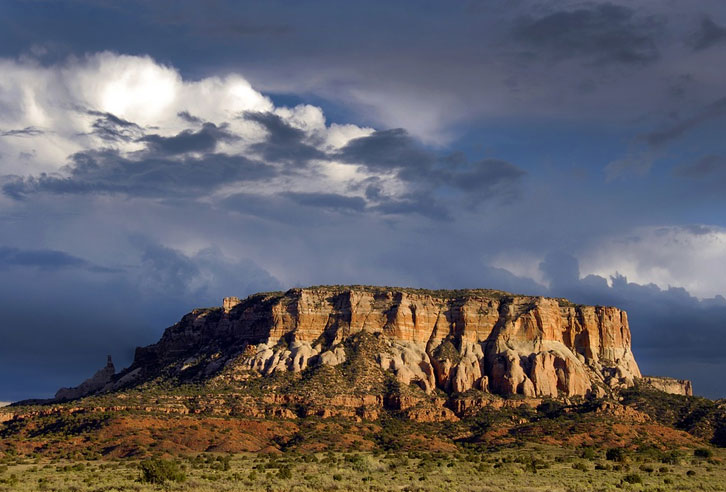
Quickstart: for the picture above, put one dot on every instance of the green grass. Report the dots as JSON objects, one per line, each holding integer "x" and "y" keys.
{"x": 527, "y": 468}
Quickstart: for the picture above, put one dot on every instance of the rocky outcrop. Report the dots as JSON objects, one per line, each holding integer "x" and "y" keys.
{"x": 670, "y": 385}
{"x": 98, "y": 382}
{"x": 451, "y": 340}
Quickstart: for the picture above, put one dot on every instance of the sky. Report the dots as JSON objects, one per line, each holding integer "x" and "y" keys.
{"x": 158, "y": 156}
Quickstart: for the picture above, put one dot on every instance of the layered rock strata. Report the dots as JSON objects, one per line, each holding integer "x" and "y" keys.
{"x": 448, "y": 340}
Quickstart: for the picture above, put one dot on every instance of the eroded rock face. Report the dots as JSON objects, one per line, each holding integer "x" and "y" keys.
{"x": 670, "y": 385}
{"x": 454, "y": 341}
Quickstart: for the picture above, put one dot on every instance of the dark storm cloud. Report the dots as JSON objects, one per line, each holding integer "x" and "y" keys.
{"x": 283, "y": 142}
{"x": 396, "y": 151}
{"x": 603, "y": 33}
{"x": 112, "y": 128}
{"x": 422, "y": 203}
{"x": 28, "y": 131}
{"x": 295, "y": 209}
{"x": 106, "y": 171}
{"x": 485, "y": 176}
{"x": 713, "y": 111}
{"x": 203, "y": 140}
{"x": 45, "y": 259}
{"x": 328, "y": 200}
{"x": 709, "y": 34}
{"x": 65, "y": 320}
{"x": 387, "y": 150}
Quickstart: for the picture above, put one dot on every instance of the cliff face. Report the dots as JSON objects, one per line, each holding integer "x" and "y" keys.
{"x": 670, "y": 385}
{"x": 453, "y": 340}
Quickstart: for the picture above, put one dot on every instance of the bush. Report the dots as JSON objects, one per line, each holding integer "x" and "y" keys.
{"x": 671, "y": 458}
{"x": 588, "y": 453}
{"x": 159, "y": 471}
{"x": 703, "y": 453}
{"x": 690, "y": 473}
{"x": 633, "y": 478}
{"x": 615, "y": 454}
{"x": 580, "y": 466}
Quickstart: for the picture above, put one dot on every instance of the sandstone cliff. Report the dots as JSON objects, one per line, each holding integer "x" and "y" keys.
{"x": 670, "y": 385}
{"x": 451, "y": 341}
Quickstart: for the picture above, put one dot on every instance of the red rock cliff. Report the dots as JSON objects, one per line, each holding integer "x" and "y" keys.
{"x": 452, "y": 340}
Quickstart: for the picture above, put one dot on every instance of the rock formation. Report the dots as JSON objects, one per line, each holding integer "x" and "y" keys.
{"x": 452, "y": 341}
{"x": 670, "y": 385}
{"x": 92, "y": 385}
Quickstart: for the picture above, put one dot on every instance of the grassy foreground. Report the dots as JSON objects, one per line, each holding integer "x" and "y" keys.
{"x": 527, "y": 468}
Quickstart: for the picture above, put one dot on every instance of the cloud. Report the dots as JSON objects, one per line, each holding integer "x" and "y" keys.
{"x": 664, "y": 255}
{"x": 112, "y": 128}
{"x": 395, "y": 151}
{"x": 283, "y": 142}
{"x": 709, "y": 34}
{"x": 711, "y": 167}
{"x": 329, "y": 201}
{"x": 85, "y": 316}
{"x": 421, "y": 203}
{"x": 387, "y": 150}
{"x": 106, "y": 171}
{"x": 202, "y": 141}
{"x": 28, "y": 131}
{"x": 710, "y": 112}
{"x": 189, "y": 118}
{"x": 634, "y": 162}
{"x": 488, "y": 176}
{"x": 46, "y": 259}
{"x": 603, "y": 33}
{"x": 202, "y": 277}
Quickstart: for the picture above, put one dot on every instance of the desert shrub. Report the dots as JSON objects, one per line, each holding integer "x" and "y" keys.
{"x": 703, "y": 453}
{"x": 284, "y": 473}
{"x": 690, "y": 473}
{"x": 588, "y": 453}
{"x": 647, "y": 468}
{"x": 158, "y": 471}
{"x": 580, "y": 466}
{"x": 633, "y": 478}
{"x": 671, "y": 458}
{"x": 667, "y": 481}
{"x": 615, "y": 454}
{"x": 337, "y": 477}
{"x": 550, "y": 408}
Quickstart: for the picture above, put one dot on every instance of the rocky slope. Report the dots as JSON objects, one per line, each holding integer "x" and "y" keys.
{"x": 452, "y": 341}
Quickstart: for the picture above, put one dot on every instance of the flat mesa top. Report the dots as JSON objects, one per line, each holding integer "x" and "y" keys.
{"x": 435, "y": 293}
